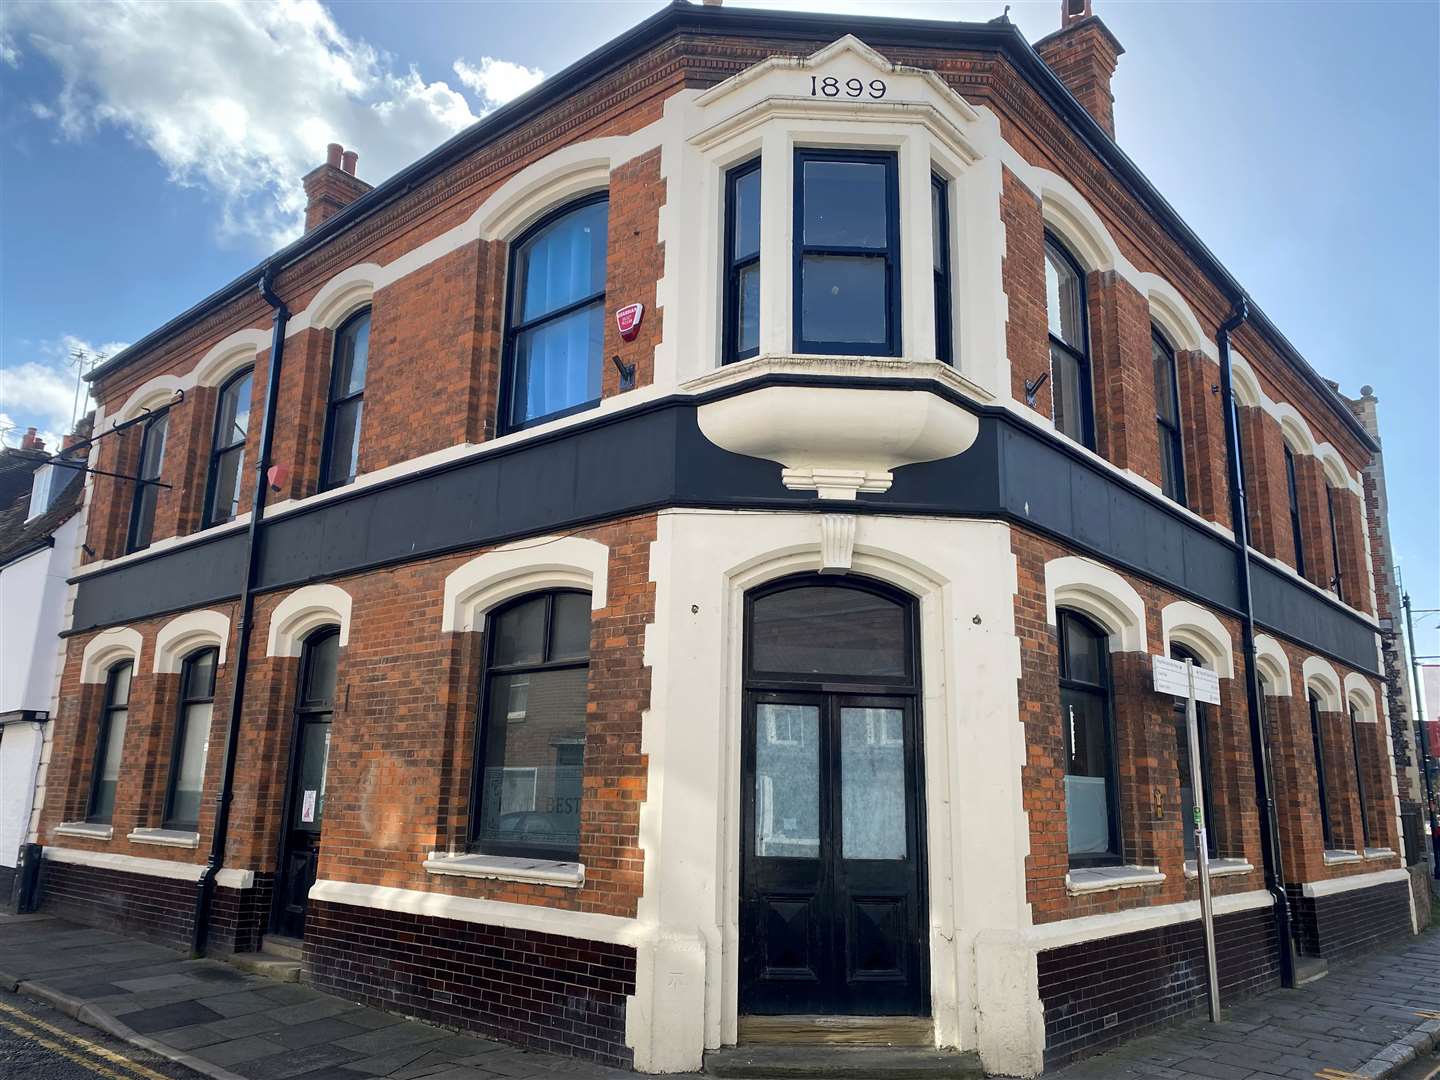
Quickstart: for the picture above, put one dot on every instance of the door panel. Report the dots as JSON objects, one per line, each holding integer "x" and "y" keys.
{"x": 831, "y": 892}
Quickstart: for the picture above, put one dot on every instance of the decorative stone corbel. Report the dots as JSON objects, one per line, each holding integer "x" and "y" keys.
{"x": 837, "y": 543}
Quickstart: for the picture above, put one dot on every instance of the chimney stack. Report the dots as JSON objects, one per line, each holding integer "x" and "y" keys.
{"x": 1083, "y": 52}
{"x": 32, "y": 441}
{"x": 333, "y": 186}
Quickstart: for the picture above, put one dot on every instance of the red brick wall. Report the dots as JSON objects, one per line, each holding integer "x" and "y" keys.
{"x": 1123, "y": 376}
{"x": 1027, "y": 339}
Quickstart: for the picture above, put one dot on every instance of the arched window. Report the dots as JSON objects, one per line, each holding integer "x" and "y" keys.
{"x": 1187, "y": 778}
{"x": 340, "y": 457}
{"x": 152, "y": 461}
{"x": 742, "y": 262}
{"x": 1317, "y": 740}
{"x": 1338, "y": 581}
{"x": 1072, "y": 404}
{"x": 555, "y": 316}
{"x": 110, "y": 743}
{"x": 1091, "y": 805}
{"x": 1359, "y": 776}
{"x": 1167, "y": 417}
{"x": 192, "y": 740}
{"x": 1292, "y": 489}
{"x": 530, "y": 749}
{"x": 227, "y": 448}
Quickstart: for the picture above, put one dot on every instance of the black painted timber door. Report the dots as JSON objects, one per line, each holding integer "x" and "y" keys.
{"x": 305, "y": 799}
{"x": 832, "y": 907}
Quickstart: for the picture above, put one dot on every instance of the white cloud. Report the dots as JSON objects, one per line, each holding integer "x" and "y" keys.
{"x": 497, "y": 81}
{"x": 41, "y": 392}
{"x": 240, "y": 99}
{"x": 9, "y": 55}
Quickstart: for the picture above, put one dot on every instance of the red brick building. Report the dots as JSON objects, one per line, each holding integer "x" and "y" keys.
{"x": 788, "y": 653}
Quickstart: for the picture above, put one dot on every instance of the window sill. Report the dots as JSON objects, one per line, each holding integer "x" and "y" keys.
{"x": 89, "y": 830}
{"x": 568, "y": 875}
{"x": 165, "y": 837}
{"x": 1100, "y": 878}
{"x": 1379, "y": 853}
{"x": 1334, "y": 857}
{"x": 1219, "y": 867}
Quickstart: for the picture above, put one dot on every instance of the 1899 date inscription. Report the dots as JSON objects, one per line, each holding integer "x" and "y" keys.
{"x": 830, "y": 86}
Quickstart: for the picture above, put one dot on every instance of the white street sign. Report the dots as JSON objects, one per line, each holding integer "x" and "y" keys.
{"x": 1170, "y": 678}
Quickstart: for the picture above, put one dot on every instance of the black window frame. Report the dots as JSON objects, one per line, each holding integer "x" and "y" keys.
{"x": 1105, "y": 691}
{"x": 217, "y": 451}
{"x": 103, "y": 736}
{"x": 1338, "y": 580}
{"x": 1360, "y": 792}
{"x": 1202, "y": 727}
{"x": 1165, "y": 427}
{"x": 891, "y": 253}
{"x": 333, "y": 404}
{"x": 730, "y": 353}
{"x": 474, "y": 841}
{"x": 1293, "y": 491}
{"x": 1317, "y": 739}
{"x": 1081, "y": 357}
{"x": 168, "y": 819}
{"x": 161, "y": 420}
{"x": 503, "y": 424}
{"x": 940, "y": 224}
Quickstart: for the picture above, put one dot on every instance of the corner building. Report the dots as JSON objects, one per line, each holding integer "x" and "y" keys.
{"x": 787, "y": 654}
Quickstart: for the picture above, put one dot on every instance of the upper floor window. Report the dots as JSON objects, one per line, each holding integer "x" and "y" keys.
{"x": 227, "y": 449}
{"x": 1359, "y": 776}
{"x": 1070, "y": 394}
{"x": 152, "y": 461}
{"x": 1091, "y": 805}
{"x": 192, "y": 741}
{"x": 110, "y": 743}
{"x": 1322, "y": 787}
{"x": 742, "y": 262}
{"x": 1338, "y": 581}
{"x": 555, "y": 317}
{"x": 340, "y": 457}
{"x": 847, "y": 253}
{"x": 1167, "y": 418}
{"x": 940, "y": 258}
{"x": 1187, "y": 777}
{"x": 1292, "y": 489}
{"x": 531, "y": 747}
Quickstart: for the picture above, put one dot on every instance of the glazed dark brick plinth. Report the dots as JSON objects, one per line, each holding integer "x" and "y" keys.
{"x": 559, "y": 994}
{"x": 1098, "y": 994}
{"x": 158, "y": 909}
{"x": 238, "y": 917}
{"x": 1344, "y": 924}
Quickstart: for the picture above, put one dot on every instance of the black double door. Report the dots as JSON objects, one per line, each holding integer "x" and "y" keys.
{"x": 832, "y": 910}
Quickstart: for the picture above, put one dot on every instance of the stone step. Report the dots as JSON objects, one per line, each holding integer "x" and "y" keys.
{"x": 1309, "y": 969}
{"x": 842, "y": 1063}
{"x": 283, "y": 948}
{"x": 817, "y": 1030}
{"x": 278, "y": 968}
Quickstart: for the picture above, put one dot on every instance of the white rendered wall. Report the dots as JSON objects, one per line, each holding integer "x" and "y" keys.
{"x": 20, "y": 745}
{"x": 32, "y": 605}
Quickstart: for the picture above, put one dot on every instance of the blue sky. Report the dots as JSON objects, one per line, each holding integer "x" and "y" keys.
{"x": 149, "y": 153}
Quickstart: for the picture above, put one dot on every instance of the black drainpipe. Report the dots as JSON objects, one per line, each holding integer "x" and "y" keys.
{"x": 1264, "y": 798}
{"x": 205, "y": 891}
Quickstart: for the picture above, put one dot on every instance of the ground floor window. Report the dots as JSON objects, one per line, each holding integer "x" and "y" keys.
{"x": 1086, "y": 717}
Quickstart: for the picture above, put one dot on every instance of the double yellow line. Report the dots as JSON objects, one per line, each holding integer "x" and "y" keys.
{"x": 82, "y": 1052}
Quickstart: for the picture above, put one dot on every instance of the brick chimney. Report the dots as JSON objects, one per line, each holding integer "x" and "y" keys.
{"x": 31, "y": 441}
{"x": 333, "y": 186}
{"x": 1083, "y": 53}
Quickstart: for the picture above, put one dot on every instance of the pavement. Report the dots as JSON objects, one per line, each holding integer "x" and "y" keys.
{"x": 1369, "y": 1019}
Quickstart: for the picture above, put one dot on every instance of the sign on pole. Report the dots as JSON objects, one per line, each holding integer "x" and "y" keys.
{"x": 1170, "y": 678}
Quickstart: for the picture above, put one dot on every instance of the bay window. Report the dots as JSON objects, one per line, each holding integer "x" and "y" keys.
{"x": 742, "y": 262}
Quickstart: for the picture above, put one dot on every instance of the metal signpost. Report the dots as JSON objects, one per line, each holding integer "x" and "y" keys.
{"x": 1187, "y": 681}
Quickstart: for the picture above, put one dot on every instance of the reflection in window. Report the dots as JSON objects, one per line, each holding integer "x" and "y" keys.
{"x": 227, "y": 449}
{"x": 742, "y": 262}
{"x": 847, "y": 253}
{"x": 152, "y": 461}
{"x": 531, "y": 748}
{"x": 1187, "y": 779}
{"x": 110, "y": 744}
{"x": 940, "y": 260}
{"x": 1292, "y": 491}
{"x": 1070, "y": 392}
{"x": 192, "y": 741}
{"x": 556, "y": 317}
{"x": 787, "y": 781}
{"x": 1322, "y": 786}
{"x": 872, "y": 777}
{"x": 1167, "y": 418}
{"x": 1338, "y": 582}
{"x": 1359, "y": 777}
{"x": 830, "y": 630}
{"x": 340, "y": 459}
{"x": 1085, "y": 707}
